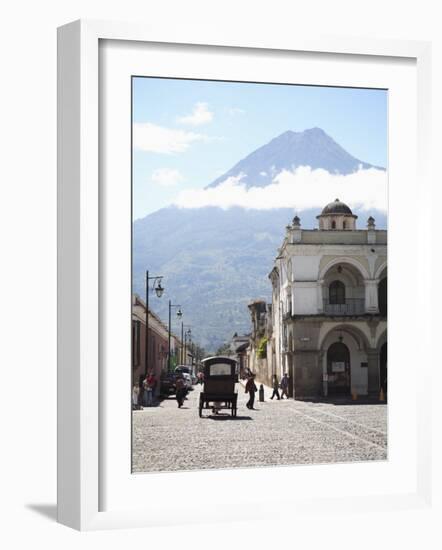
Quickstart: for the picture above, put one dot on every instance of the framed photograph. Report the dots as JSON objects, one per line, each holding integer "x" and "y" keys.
{"x": 228, "y": 210}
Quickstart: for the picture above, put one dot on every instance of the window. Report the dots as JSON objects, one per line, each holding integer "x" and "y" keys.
{"x": 344, "y": 225}
{"x": 333, "y": 224}
{"x": 336, "y": 293}
{"x": 220, "y": 369}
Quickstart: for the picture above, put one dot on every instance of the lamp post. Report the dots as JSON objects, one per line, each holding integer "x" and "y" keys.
{"x": 159, "y": 292}
{"x": 182, "y": 343}
{"x": 186, "y": 337}
{"x": 179, "y": 314}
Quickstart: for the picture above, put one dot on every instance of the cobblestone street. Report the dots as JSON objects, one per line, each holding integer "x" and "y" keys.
{"x": 284, "y": 432}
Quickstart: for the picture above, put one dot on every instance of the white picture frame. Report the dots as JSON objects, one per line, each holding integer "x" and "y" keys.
{"x": 79, "y": 266}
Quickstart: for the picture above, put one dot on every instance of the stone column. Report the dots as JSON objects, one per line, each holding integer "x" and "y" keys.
{"x": 320, "y": 300}
{"x": 371, "y": 296}
{"x": 373, "y": 372}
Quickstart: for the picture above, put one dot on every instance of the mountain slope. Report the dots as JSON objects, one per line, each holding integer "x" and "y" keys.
{"x": 289, "y": 150}
{"x": 215, "y": 261}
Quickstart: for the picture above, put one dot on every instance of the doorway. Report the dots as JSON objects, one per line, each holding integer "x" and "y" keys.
{"x": 338, "y": 369}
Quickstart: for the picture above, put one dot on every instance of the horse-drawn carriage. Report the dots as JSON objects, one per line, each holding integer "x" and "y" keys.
{"x": 220, "y": 376}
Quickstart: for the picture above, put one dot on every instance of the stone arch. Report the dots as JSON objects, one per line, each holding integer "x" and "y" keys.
{"x": 382, "y": 339}
{"x": 354, "y": 376}
{"x": 339, "y": 379}
{"x": 380, "y": 271}
{"x": 349, "y": 278}
{"x": 343, "y": 260}
{"x": 351, "y": 274}
{"x": 359, "y": 337}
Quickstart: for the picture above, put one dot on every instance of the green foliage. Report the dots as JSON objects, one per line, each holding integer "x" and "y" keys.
{"x": 223, "y": 350}
{"x": 212, "y": 264}
{"x": 262, "y": 348}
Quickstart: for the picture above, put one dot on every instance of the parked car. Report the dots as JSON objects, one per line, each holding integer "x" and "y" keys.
{"x": 180, "y": 369}
{"x": 167, "y": 384}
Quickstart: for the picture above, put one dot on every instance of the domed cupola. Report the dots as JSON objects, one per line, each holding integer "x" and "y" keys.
{"x": 337, "y": 216}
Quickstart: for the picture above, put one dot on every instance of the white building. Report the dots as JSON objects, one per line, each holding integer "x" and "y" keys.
{"x": 329, "y": 306}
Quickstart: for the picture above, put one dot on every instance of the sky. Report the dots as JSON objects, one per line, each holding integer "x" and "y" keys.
{"x": 186, "y": 133}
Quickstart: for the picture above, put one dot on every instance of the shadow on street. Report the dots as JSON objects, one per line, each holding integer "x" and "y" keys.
{"x": 227, "y": 417}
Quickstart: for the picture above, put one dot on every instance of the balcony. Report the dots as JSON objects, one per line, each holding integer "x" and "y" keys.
{"x": 352, "y": 306}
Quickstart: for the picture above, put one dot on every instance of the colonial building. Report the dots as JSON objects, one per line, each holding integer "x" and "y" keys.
{"x": 261, "y": 357}
{"x": 329, "y": 306}
{"x": 158, "y": 334}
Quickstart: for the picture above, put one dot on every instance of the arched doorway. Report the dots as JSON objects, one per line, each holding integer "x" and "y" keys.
{"x": 382, "y": 297}
{"x": 338, "y": 369}
{"x": 336, "y": 292}
{"x": 383, "y": 368}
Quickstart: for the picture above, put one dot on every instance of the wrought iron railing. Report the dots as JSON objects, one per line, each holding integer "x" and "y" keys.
{"x": 352, "y": 306}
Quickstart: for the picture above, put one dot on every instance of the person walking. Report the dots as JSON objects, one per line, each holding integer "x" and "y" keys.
{"x": 251, "y": 389}
{"x": 275, "y": 386}
{"x": 150, "y": 389}
{"x": 180, "y": 391}
{"x": 285, "y": 386}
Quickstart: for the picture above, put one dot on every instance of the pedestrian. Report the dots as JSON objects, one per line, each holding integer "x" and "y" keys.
{"x": 285, "y": 386}
{"x": 147, "y": 392}
{"x": 135, "y": 395}
{"x": 200, "y": 376}
{"x": 150, "y": 389}
{"x": 275, "y": 386}
{"x": 180, "y": 388}
{"x": 251, "y": 389}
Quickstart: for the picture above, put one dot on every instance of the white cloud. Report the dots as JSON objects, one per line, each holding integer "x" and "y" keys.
{"x": 301, "y": 189}
{"x": 166, "y": 177}
{"x": 158, "y": 139}
{"x": 200, "y": 115}
{"x": 263, "y": 173}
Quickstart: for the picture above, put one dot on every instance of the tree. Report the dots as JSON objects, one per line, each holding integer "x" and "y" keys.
{"x": 224, "y": 349}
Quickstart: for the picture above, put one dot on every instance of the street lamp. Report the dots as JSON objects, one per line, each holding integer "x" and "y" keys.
{"x": 156, "y": 285}
{"x": 186, "y": 338}
{"x": 179, "y": 314}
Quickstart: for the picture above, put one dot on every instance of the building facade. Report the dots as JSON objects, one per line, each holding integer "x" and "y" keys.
{"x": 329, "y": 307}
{"x": 158, "y": 334}
{"x": 260, "y": 352}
